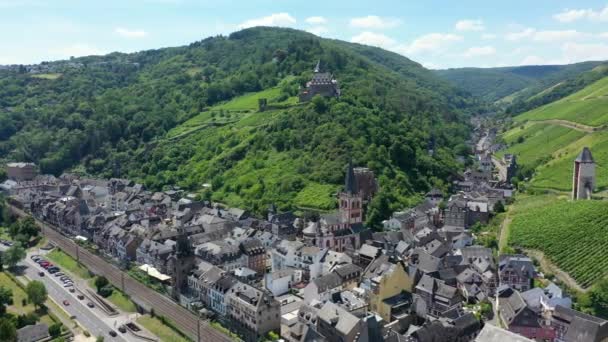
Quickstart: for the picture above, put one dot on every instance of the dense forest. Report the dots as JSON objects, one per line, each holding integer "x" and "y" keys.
{"x": 112, "y": 116}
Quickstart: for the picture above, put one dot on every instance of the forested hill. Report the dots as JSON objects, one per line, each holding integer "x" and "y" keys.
{"x": 506, "y": 84}
{"x": 188, "y": 116}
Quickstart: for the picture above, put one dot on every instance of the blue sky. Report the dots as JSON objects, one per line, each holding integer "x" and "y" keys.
{"x": 436, "y": 33}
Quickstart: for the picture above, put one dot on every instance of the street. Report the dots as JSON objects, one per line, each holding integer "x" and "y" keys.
{"x": 94, "y": 320}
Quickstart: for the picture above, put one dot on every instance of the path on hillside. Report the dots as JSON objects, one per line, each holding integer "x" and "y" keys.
{"x": 573, "y": 125}
{"x": 547, "y": 265}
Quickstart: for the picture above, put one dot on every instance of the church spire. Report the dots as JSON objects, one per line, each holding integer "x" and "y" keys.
{"x": 350, "y": 182}
{"x": 318, "y": 67}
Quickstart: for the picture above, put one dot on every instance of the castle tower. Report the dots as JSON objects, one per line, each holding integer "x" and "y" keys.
{"x": 351, "y": 209}
{"x": 583, "y": 180}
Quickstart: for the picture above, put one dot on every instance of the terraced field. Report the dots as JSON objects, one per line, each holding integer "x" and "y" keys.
{"x": 539, "y": 141}
{"x": 588, "y": 106}
{"x": 573, "y": 235}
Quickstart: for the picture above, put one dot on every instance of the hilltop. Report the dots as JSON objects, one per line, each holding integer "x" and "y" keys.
{"x": 506, "y": 85}
{"x": 188, "y": 116}
{"x": 548, "y": 138}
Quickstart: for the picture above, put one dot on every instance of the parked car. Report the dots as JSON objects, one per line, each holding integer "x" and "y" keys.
{"x": 90, "y": 304}
{"x": 51, "y": 271}
{"x": 66, "y": 303}
{"x": 59, "y": 274}
{"x": 54, "y": 268}
{"x": 62, "y": 278}
{"x": 81, "y": 297}
{"x": 122, "y": 329}
{"x": 72, "y": 290}
{"x": 69, "y": 285}
{"x": 41, "y": 274}
{"x": 35, "y": 257}
{"x": 112, "y": 333}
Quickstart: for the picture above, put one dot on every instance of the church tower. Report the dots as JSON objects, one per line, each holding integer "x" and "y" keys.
{"x": 351, "y": 209}
{"x": 583, "y": 180}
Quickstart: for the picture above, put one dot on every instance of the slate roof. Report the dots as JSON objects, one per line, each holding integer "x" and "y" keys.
{"x": 327, "y": 282}
{"x": 32, "y": 333}
{"x": 492, "y": 333}
{"x": 585, "y": 156}
{"x": 582, "y": 327}
{"x": 342, "y": 320}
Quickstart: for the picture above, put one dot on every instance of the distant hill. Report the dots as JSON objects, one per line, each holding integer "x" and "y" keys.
{"x": 188, "y": 116}
{"x": 507, "y": 84}
{"x": 549, "y": 137}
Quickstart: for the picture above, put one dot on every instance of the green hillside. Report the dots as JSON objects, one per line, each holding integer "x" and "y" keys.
{"x": 188, "y": 116}
{"x": 509, "y": 84}
{"x": 588, "y": 106}
{"x": 571, "y": 234}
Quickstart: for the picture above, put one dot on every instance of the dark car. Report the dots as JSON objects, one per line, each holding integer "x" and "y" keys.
{"x": 122, "y": 329}
{"x": 51, "y": 270}
{"x": 81, "y": 297}
{"x": 41, "y": 274}
{"x": 112, "y": 333}
{"x": 72, "y": 290}
{"x": 90, "y": 304}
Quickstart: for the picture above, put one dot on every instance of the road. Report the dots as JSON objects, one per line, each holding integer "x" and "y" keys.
{"x": 90, "y": 318}
{"x": 182, "y": 318}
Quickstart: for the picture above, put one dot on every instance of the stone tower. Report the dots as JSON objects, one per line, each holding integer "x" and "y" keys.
{"x": 583, "y": 179}
{"x": 351, "y": 208}
{"x": 182, "y": 261}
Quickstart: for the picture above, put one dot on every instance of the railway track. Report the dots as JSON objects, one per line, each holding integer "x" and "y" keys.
{"x": 184, "y": 320}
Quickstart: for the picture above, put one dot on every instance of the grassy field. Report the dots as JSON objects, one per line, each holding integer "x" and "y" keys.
{"x": 540, "y": 141}
{"x": 164, "y": 332}
{"x": 65, "y": 261}
{"x": 316, "y": 195}
{"x": 557, "y": 174}
{"x": 570, "y": 234}
{"x": 50, "y": 76}
{"x": 588, "y": 106}
{"x": 18, "y": 295}
{"x": 122, "y": 301}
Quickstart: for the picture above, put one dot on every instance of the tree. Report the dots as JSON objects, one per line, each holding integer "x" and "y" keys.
{"x": 55, "y": 330}
{"x": 14, "y": 255}
{"x": 6, "y": 298}
{"x": 319, "y": 104}
{"x": 499, "y": 207}
{"x": 8, "y": 331}
{"x": 100, "y": 338}
{"x": 36, "y": 292}
{"x": 100, "y": 282}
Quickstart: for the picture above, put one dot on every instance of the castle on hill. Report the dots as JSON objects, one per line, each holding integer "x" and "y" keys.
{"x": 583, "y": 178}
{"x": 322, "y": 83}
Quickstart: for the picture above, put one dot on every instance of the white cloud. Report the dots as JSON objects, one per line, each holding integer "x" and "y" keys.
{"x": 545, "y": 36}
{"x": 478, "y": 51}
{"x": 318, "y": 30}
{"x": 515, "y": 36}
{"x": 276, "y": 19}
{"x": 374, "y": 22}
{"x": 575, "y": 52}
{"x": 316, "y": 20}
{"x": 571, "y": 15}
{"x": 432, "y": 42}
{"x": 555, "y": 36}
{"x": 130, "y": 33}
{"x": 374, "y": 39}
{"x": 532, "y": 60}
{"x": 488, "y": 36}
{"x": 469, "y": 25}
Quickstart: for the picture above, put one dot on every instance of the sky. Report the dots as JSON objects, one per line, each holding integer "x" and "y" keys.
{"x": 435, "y": 33}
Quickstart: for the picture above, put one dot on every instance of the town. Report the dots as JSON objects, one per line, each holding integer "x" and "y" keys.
{"x": 323, "y": 277}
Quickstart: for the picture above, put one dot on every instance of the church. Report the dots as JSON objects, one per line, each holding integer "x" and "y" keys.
{"x": 322, "y": 83}
{"x": 340, "y": 230}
